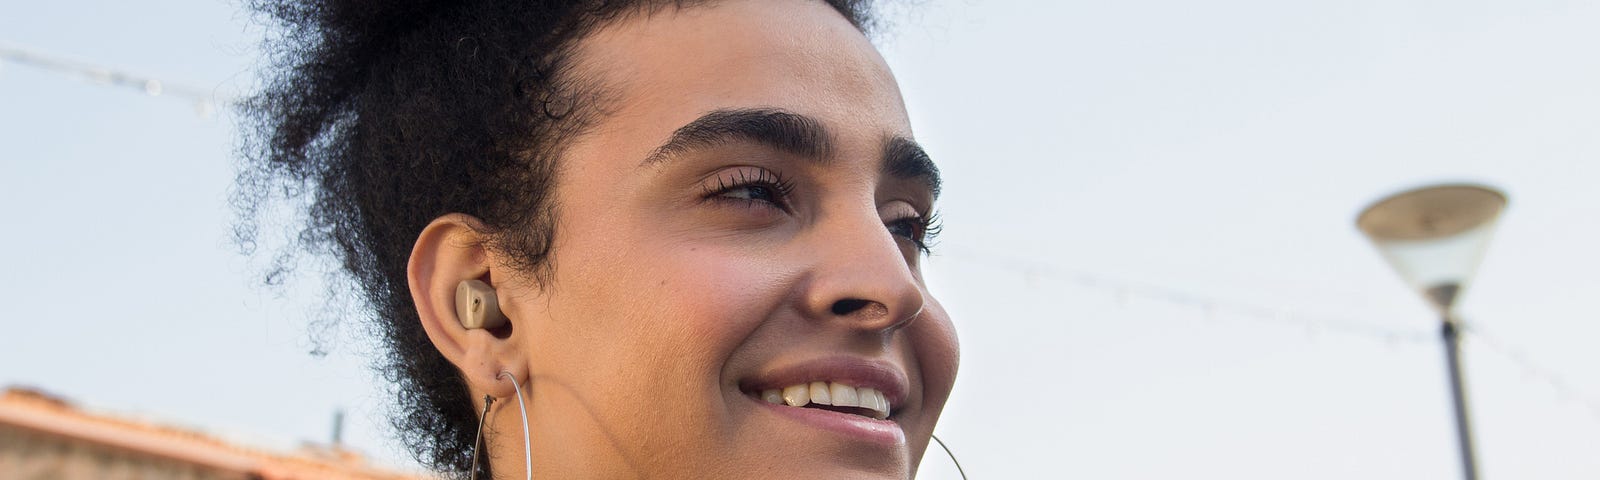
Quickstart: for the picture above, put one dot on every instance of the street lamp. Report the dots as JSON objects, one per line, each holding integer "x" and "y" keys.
{"x": 1435, "y": 237}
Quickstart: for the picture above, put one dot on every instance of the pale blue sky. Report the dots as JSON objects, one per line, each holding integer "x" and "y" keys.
{"x": 1148, "y": 251}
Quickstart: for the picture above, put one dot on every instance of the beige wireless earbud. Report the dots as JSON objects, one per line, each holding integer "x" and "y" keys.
{"x": 476, "y": 305}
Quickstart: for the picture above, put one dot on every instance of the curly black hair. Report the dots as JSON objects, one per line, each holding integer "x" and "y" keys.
{"x": 378, "y": 116}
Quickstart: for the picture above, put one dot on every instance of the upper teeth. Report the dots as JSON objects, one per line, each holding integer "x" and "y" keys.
{"x": 826, "y": 393}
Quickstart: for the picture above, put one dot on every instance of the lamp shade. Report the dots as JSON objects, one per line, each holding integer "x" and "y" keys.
{"x": 1435, "y": 237}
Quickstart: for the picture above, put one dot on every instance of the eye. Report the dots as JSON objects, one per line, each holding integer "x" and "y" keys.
{"x": 763, "y": 193}
{"x": 920, "y": 230}
{"x": 751, "y": 186}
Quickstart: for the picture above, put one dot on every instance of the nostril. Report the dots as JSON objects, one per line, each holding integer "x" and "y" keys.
{"x": 849, "y": 306}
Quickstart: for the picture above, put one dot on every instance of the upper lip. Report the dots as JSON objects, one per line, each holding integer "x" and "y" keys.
{"x": 857, "y": 372}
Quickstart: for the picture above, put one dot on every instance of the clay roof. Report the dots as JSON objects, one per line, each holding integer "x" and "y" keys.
{"x": 43, "y": 413}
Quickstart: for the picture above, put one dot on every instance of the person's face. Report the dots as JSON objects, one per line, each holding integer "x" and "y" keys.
{"x": 773, "y": 244}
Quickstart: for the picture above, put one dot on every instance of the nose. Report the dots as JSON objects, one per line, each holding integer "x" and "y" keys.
{"x": 861, "y": 278}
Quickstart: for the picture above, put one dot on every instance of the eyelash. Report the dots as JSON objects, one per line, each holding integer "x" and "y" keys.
{"x": 923, "y": 228}
{"x": 778, "y": 188}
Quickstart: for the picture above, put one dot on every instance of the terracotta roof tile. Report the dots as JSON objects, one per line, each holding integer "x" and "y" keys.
{"x": 40, "y": 412}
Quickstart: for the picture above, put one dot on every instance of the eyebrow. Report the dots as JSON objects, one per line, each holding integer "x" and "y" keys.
{"x": 785, "y": 131}
{"x": 792, "y": 133}
{"x": 903, "y": 158}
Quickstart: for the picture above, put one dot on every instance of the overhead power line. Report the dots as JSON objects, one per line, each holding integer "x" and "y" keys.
{"x": 1207, "y": 306}
{"x": 203, "y": 100}
{"x": 1533, "y": 371}
{"x": 1125, "y": 290}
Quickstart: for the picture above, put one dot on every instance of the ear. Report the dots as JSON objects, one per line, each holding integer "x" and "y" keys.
{"x": 451, "y": 250}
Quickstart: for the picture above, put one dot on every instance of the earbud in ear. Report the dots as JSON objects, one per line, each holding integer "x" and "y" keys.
{"x": 476, "y": 305}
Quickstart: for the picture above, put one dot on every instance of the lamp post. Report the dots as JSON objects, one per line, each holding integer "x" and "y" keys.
{"x": 1435, "y": 237}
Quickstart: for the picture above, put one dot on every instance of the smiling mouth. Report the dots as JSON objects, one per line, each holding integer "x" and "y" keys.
{"x": 831, "y": 396}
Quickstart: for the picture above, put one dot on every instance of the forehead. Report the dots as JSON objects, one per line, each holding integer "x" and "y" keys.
{"x": 663, "y": 70}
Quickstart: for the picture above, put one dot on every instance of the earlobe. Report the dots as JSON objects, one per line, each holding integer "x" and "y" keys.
{"x": 449, "y": 273}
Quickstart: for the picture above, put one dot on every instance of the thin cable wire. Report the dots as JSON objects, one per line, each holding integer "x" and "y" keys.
{"x": 1313, "y": 323}
{"x": 478, "y": 439}
{"x": 527, "y": 444}
{"x": 152, "y": 86}
{"x": 952, "y": 455}
{"x": 1558, "y": 383}
{"x": 1211, "y": 307}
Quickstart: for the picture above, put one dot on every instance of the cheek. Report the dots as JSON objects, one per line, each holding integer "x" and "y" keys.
{"x": 719, "y": 297}
{"x": 704, "y": 305}
{"x": 673, "y": 312}
{"x": 938, "y": 354}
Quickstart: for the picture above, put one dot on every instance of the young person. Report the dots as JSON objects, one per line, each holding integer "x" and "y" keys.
{"x": 702, "y": 220}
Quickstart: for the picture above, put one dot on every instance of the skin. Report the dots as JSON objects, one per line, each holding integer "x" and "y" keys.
{"x": 666, "y": 293}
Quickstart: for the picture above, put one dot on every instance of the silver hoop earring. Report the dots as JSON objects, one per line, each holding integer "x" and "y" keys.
{"x": 527, "y": 445}
{"x": 952, "y": 456}
{"x": 478, "y": 439}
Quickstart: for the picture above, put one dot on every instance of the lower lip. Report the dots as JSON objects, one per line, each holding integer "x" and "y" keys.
{"x": 880, "y": 432}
